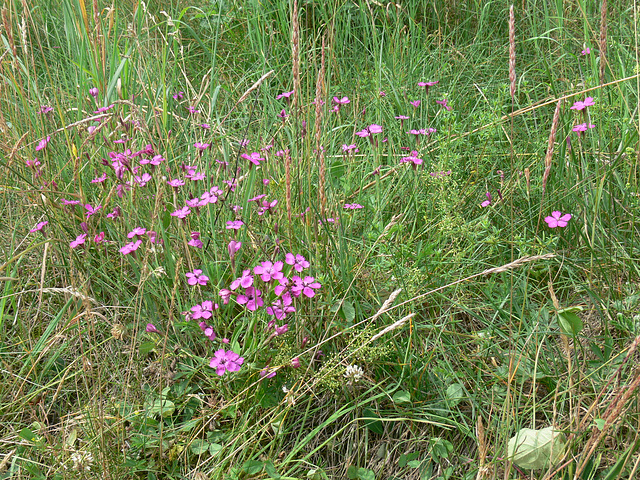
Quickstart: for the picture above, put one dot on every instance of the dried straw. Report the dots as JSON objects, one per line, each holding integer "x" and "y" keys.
{"x": 512, "y": 52}
{"x": 295, "y": 54}
{"x": 550, "y": 145}
{"x": 322, "y": 198}
{"x": 603, "y": 40}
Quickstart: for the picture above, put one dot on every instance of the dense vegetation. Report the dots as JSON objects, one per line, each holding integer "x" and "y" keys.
{"x": 282, "y": 239}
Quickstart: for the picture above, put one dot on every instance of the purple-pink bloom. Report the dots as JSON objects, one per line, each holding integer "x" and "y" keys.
{"x": 245, "y": 281}
{"x": 136, "y": 231}
{"x": 80, "y": 239}
{"x": 415, "y": 103}
{"x": 233, "y": 248}
{"x": 203, "y": 310}
{"x": 181, "y": 212}
{"x": 251, "y": 298}
{"x": 175, "y": 183}
{"x": 305, "y": 286}
{"x": 298, "y": 262}
{"x": 208, "y": 331}
{"x": 93, "y": 92}
{"x": 426, "y": 85}
{"x": 130, "y": 247}
{"x": 586, "y": 51}
{"x": 583, "y": 127}
{"x": 413, "y": 158}
{"x": 487, "y": 202}
{"x": 38, "y": 227}
{"x": 43, "y": 143}
{"x": 195, "y": 240}
{"x": 201, "y": 146}
{"x": 99, "y": 238}
{"x": 254, "y": 158}
{"x": 269, "y": 271}
{"x": 192, "y": 109}
{"x": 588, "y": 102}
{"x": 557, "y": 219}
{"x": 196, "y": 277}
{"x": 151, "y": 328}
{"x": 444, "y": 104}
{"x": 353, "y": 206}
{"x": 224, "y": 361}
{"x": 225, "y": 294}
{"x": 235, "y": 225}
{"x": 100, "y": 179}
{"x": 285, "y": 95}
{"x": 341, "y": 101}
{"x": 268, "y": 372}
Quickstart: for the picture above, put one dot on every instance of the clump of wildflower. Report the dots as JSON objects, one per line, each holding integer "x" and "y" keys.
{"x": 586, "y": 51}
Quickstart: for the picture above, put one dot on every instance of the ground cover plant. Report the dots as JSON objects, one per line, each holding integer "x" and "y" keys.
{"x": 286, "y": 240}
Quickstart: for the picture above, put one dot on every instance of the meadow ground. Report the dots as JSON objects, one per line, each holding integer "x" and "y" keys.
{"x": 315, "y": 240}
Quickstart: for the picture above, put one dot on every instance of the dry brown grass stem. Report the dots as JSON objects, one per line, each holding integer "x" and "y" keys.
{"x": 603, "y": 40}
{"x": 512, "y": 52}
{"x": 6, "y": 21}
{"x": 295, "y": 55}
{"x": 287, "y": 179}
{"x": 322, "y": 198}
{"x": 552, "y": 139}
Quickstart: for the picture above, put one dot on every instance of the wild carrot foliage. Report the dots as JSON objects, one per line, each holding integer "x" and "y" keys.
{"x": 318, "y": 240}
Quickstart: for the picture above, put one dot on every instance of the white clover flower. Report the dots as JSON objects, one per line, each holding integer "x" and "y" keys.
{"x": 82, "y": 461}
{"x": 353, "y": 374}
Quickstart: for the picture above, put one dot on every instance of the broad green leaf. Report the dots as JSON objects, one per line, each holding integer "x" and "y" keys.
{"x": 401, "y": 397}
{"x": 270, "y": 470}
{"x": 455, "y": 394}
{"x": 349, "y": 311}
{"x": 252, "y": 467}
{"x": 162, "y": 407}
{"x": 599, "y": 423}
{"x": 28, "y": 435}
{"x": 535, "y": 449}
{"x": 374, "y": 425}
{"x": 569, "y": 323}
{"x": 147, "y": 347}
{"x": 214, "y": 448}
{"x": 199, "y": 446}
